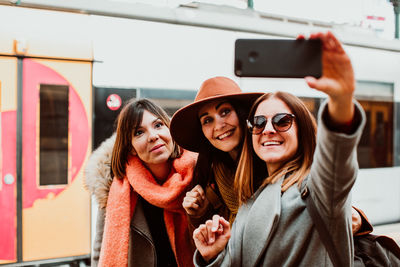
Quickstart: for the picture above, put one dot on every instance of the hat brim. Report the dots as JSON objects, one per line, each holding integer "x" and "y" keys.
{"x": 185, "y": 125}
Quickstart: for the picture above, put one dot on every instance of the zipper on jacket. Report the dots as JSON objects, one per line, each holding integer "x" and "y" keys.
{"x": 150, "y": 241}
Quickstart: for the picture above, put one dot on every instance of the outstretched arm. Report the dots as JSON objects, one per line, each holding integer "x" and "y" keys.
{"x": 341, "y": 120}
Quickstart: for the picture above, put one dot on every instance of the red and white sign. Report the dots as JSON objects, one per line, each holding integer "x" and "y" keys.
{"x": 114, "y": 101}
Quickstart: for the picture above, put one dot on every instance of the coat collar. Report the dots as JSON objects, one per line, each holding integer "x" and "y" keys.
{"x": 262, "y": 220}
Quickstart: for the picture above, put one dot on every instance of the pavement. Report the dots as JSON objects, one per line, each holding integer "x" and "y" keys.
{"x": 391, "y": 230}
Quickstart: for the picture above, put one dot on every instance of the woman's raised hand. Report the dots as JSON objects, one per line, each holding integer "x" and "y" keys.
{"x": 211, "y": 238}
{"x": 337, "y": 79}
{"x": 195, "y": 202}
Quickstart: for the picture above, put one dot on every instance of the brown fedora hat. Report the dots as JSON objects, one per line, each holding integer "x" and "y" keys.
{"x": 185, "y": 124}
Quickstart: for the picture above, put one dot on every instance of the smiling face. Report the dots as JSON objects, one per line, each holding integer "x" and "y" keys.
{"x": 151, "y": 140}
{"x": 220, "y": 125}
{"x": 271, "y": 146}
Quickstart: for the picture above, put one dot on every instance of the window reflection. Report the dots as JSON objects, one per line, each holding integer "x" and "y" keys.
{"x": 375, "y": 149}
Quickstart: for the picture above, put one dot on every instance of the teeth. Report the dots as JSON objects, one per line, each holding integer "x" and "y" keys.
{"x": 222, "y": 136}
{"x": 271, "y": 143}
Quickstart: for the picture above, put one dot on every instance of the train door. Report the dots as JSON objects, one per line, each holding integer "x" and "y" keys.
{"x": 8, "y": 174}
{"x": 56, "y": 136}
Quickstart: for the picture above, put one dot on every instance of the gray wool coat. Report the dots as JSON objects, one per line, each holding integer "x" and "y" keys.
{"x": 275, "y": 229}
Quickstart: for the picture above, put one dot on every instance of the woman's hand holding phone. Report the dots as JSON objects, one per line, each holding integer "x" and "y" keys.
{"x": 337, "y": 79}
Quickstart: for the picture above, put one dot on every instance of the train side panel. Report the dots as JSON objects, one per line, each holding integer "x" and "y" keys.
{"x": 46, "y": 121}
{"x": 8, "y": 168}
{"x": 56, "y": 207}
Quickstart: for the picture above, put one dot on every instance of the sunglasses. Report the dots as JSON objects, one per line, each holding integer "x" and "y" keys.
{"x": 281, "y": 123}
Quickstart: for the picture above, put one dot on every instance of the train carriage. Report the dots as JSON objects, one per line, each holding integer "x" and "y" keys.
{"x": 66, "y": 70}
{"x": 45, "y": 140}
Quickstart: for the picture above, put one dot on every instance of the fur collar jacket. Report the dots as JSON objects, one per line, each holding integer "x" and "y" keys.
{"x": 97, "y": 172}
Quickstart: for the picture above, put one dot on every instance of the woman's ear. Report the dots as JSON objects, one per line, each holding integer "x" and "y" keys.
{"x": 133, "y": 152}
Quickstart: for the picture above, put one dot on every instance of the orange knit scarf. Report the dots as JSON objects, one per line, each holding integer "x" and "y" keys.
{"x": 169, "y": 196}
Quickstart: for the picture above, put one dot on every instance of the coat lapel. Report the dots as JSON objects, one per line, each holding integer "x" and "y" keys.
{"x": 262, "y": 220}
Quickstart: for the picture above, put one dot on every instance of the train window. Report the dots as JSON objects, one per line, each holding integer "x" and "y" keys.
{"x": 54, "y": 102}
{"x": 376, "y": 145}
{"x": 375, "y": 149}
{"x": 374, "y": 91}
{"x": 169, "y": 100}
{"x": 312, "y": 104}
{"x": 108, "y": 102}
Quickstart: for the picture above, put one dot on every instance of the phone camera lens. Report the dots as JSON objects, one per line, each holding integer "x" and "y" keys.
{"x": 253, "y": 56}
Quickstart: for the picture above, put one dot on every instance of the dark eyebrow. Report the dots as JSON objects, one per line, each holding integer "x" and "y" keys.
{"x": 156, "y": 120}
{"x": 220, "y": 104}
{"x": 204, "y": 114}
{"x": 216, "y": 108}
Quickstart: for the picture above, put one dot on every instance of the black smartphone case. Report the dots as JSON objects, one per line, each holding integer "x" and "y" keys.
{"x": 278, "y": 58}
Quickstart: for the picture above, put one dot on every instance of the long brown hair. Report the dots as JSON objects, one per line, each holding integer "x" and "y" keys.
{"x": 299, "y": 165}
{"x": 210, "y": 157}
{"x": 214, "y": 165}
{"x": 128, "y": 121}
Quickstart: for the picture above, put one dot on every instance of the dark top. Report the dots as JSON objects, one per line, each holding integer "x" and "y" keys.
{"x": 155, "y": 219}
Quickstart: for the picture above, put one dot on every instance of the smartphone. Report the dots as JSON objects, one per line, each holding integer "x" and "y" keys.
{"x": 279, "y": 58}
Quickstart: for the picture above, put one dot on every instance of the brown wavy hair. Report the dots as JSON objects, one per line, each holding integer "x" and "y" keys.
{"x": 299, "y": 165}
{"x": 128, "y": 121}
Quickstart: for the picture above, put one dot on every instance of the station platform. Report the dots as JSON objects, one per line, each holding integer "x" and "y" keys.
{"x": 391, "y": 230}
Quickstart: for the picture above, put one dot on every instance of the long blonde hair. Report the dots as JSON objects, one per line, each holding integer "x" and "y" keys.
{"x": 299, "y": 165}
